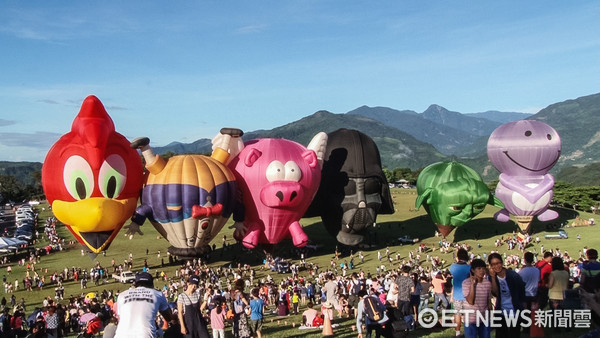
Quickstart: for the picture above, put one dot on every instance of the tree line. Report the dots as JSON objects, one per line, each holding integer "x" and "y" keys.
{"x": 585, "y": 198}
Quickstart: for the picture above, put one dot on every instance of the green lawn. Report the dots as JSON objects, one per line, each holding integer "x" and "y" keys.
{"x": 406, "y": 221}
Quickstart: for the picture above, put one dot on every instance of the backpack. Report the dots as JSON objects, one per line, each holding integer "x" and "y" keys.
{"x": 410, "y": 322}
{"x": 238, "y": 305}
{"x": 399, "y": 329}
{"x": 317, "y": 321}
{"x": 354, "y": 288}
{"x": 373, "y": 309}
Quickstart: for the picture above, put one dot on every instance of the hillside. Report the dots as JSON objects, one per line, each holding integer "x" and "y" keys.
{"x": 397, "y": 148}
{"x": 472, "y": 125}
{"x": 581, "y": 176}
{"x": 502, "y": 117}
{"x": 22, "y": 171}
{"x": 409, "y": 139}
{"x": 576, "y": 121}
{"x": 443, "y": 138}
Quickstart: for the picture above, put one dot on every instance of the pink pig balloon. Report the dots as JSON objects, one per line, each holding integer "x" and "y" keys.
{"x": 278, "y": 179}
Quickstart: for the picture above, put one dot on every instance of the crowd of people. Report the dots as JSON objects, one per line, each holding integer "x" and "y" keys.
{"x": 198, "y": 299}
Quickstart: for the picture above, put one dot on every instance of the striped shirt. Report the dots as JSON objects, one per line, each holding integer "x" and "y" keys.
{"x": 483, "y": 291}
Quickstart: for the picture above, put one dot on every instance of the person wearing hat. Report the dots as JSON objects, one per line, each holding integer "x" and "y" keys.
{"x": 189, "y": 309}
{"x": 137, "y": 308}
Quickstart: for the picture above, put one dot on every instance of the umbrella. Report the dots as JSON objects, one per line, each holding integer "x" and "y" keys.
{"x": 86, "y": 317}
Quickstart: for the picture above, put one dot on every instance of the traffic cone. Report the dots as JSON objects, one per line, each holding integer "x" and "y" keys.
{"x": 535, "y": 330}
{"x": 327, "y": 329}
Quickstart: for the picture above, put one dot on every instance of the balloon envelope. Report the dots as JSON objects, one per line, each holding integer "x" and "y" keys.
{"x": 452, "y": 194}
{"x": 524, "y": 151}
{"x": 188, "y": 199}
{"x": 92, "y": 177}
{"x": 353, "y": 189}
{"x": 278, "y": 179}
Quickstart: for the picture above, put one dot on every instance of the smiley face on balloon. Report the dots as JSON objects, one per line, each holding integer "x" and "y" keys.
{"x": 524, "y": 152}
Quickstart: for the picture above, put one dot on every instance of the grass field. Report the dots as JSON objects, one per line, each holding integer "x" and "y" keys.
{"x": 405, "y": 221}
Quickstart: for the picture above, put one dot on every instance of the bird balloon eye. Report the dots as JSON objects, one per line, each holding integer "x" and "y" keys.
{"x": 549, "y": 137}
{"x": 528, "y": 133}
{"x": 78, "y": 177}
{"x": 112, "y": 176}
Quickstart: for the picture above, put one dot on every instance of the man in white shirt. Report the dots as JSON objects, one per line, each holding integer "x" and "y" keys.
{"x": 137, "y": 308}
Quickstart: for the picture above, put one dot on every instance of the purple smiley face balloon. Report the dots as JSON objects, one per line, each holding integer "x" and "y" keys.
{"x": 524, "y": 148}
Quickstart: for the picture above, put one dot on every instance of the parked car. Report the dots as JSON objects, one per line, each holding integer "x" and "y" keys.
{"x": 23, "y": 235}
{"x": 282, "y": 266}
{"x": 406, "y": 239}
{"x": 125, "y": 277}
{"x": 562, "y": 234}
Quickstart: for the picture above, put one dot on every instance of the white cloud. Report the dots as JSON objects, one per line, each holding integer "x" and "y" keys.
{"x": 251, "y": 29}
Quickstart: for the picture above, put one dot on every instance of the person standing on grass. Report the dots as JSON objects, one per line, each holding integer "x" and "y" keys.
{"x": 137, "y": 308}
{"x": 558, "y": 282}
{"x": 217, "y": 319}
{"x": 404, "y": 284}
{"x": 478, "y": 293}
{"x": 190, "y": 307}
{"x": 459, "y": 271}
{"x": 531, "y": 276}
{"x": 545, "y": 269}
{"x": 241, "y": 328}
{"x": 295, "y": 302}
{"x": 438, "y": 291}
{"x": 509, "y": 289}
{"x": 256, "y": 313}
{"x": 590, "y": 271}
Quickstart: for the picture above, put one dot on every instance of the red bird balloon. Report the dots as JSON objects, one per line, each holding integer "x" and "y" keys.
{"x": 92, "y": 177}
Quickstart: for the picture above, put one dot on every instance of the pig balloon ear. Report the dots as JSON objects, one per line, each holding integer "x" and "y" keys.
{"x": 310, "y": 157}
{"x": 252, "y": 156}
{"x": 318, "y": 144}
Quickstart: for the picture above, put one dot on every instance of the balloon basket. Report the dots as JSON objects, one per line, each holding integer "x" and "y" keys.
{"x": 445, "y": 230}
{"x": 524, "y": 223}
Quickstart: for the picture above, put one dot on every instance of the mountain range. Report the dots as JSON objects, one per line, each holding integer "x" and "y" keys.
{"x": 414, "y": 140}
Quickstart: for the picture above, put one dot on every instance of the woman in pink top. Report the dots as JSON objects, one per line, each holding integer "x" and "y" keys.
{"x": 217, "y": 320}
{"x": 478, "y": 292}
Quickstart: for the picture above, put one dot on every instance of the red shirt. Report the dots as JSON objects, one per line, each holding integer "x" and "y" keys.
{"x": 545, "y": 270}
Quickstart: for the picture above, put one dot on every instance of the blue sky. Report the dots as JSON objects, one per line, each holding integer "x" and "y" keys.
{"x": 181, "y": 70}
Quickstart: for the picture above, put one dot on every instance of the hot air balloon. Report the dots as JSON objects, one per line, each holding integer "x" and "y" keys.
{"x": 278, "y": 179}
{"x": 92, "y": 177}
{"x": 452, "y": 194}
{"x": 188, "y": 198}
{"x": 353, "y": 189}
{"x": 524, "y": 151}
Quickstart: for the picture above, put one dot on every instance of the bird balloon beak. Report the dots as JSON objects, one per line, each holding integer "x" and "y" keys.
{"x": 94, "y": 214}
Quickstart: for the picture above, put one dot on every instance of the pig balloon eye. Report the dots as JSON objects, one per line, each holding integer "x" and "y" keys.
{"x": 275, "y": 171}
{"x": 292, "y": 172}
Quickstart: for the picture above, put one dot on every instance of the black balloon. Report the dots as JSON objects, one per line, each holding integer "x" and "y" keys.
{"x": 353, "y": 189}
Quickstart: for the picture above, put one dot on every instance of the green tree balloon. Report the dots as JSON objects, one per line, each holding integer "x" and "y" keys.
{"x": 452, "y": 194}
